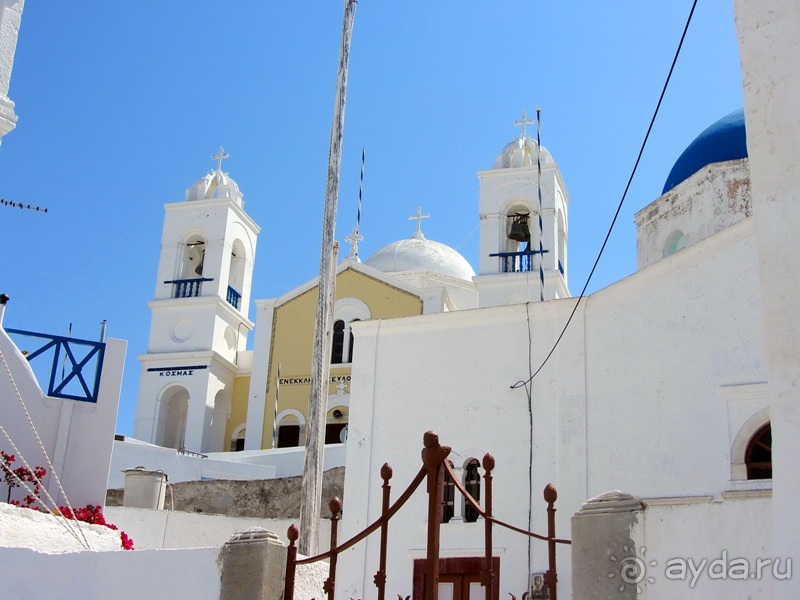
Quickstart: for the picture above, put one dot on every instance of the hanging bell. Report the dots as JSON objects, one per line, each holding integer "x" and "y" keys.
{"x": 199, "y": 268}
{"x": 520, "y": 232}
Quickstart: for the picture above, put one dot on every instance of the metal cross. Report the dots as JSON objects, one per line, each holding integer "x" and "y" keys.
{"x": 220, "y": 156}
{"x": 353, "y": 240}
{"x": 525, "y": 121}
{"x": 418, "y": 217}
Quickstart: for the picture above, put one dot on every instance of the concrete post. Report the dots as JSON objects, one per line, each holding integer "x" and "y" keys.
{"x": 608, "y": 549}
{"x": 253, "y": 566}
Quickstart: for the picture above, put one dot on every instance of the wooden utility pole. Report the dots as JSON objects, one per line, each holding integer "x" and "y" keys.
{"x": 311, "y": 500}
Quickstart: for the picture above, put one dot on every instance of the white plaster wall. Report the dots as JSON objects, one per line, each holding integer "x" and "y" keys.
{"x": 459, "y": 388}
{"x": 694, "y": 531}
{"x": 659, "y": 346}
{"x": 630, "y": 400}
{"x": 154, "y": 529}
{"x": 123, "y": 575}
{"x": 249, "y": 464}
{"x": 131, "y": 453}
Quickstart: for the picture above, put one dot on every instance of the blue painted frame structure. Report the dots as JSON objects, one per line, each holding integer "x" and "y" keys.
{"x": 56, "y": 389}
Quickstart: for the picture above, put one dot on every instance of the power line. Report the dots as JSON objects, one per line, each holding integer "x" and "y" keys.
{"x": 12, "y": 204}
{"x": 621, "y": 202}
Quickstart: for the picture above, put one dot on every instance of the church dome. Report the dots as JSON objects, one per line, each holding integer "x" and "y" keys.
{"x": 214, "y": 185}
{"x": 521, "y": 153}
{"x": 724, "y": 140}
{"x": 420, "y": 254}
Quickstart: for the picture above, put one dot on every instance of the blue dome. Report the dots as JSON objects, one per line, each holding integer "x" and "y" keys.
{"x": 724, "y": 140}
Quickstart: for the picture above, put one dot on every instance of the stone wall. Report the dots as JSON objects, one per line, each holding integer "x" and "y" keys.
{"x": 268, "y": 498}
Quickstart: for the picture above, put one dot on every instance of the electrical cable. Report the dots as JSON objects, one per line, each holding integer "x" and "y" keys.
{"x": 621, "y": 202}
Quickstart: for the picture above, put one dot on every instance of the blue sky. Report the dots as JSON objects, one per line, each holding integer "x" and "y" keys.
{"x": 121, "y": 106}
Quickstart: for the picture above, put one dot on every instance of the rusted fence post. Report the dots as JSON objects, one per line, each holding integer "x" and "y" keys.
{"x": 488, "y": 573}
{"x": 551, "y": 577}
{"x": 433, "y": 455}
{"x": 291, "y": 560}
{"x": 380, "y": 576}
{"x": 329, "y": 586}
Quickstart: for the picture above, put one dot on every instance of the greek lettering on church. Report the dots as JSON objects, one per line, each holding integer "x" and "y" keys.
{"x": 307, "y": 380}
{"x": 177, "y": 371}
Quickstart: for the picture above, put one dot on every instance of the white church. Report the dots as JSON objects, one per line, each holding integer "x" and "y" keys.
{"x": 663, "y": 389}
{"x": 659, "y": 387}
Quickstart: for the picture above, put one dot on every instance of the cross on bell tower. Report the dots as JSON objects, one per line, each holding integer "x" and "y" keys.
{"x": 220, "y": 156}
{"x": 524, "y": 122}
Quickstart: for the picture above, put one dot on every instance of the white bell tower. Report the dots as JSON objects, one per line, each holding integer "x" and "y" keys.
{"x": 199, "y": 317}
{"x": 512, "y": 268}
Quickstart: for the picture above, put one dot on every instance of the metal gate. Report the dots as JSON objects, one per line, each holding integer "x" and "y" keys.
{"x": 434, "y": 466}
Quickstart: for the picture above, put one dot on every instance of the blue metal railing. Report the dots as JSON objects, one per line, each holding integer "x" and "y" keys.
{"x": 234, "y": 297}
{"x": 80, "y": 363}
{"x": 517, "y": 262}
{"x": 187, "y": 288}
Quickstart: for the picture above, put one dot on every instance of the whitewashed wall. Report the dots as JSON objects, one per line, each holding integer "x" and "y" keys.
{"x": 156, "y": 529}
{"x": 249, "y": 464}
{"x": 634, "y": 398}
{"x": 676, "y": 533}
{"x": 123, "y": 575}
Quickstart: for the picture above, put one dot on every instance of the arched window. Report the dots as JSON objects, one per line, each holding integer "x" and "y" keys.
{"x": 337, "y": 345}
{"x": 237, "y": 439}
{"x": 472, "y": 483}
{"x": 758, "y": 456}
{"x": 289, "y": 431}
{"x": 448, "y": 497}
{"x": 675, "y": 241}
{"x": 342, "y": 342}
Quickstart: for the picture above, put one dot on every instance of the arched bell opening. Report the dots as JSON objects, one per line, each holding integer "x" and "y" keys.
{"x": 193, "y": 259}
{"x": 561, "y": 242}
{"x": 236, "y": 274}
{"x": 518, "y": 230}
{"x": 174, "y": 407}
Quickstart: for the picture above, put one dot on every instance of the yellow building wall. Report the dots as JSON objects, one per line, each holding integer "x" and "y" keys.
{"x": 241, "y": 388}
{"x": 293, "y": 336}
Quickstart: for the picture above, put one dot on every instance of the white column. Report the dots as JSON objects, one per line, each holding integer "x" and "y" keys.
{"x": 770, "y": 54}
{"x": 257, "y": 397}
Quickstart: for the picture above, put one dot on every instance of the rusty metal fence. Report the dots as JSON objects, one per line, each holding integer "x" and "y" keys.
{"x": 434, "y": 466}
